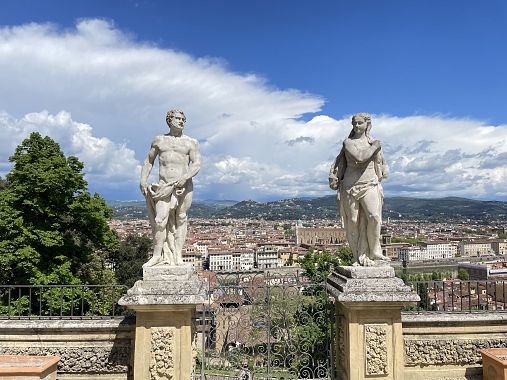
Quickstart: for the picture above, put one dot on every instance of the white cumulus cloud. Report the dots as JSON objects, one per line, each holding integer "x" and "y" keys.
{"x": 253, "y": 140}
{"x": 108, "y": 165}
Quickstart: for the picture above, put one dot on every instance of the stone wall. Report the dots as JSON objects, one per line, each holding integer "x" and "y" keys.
{"x": 447, "y": 345}
{"x": 437, "y": 345}
{"x": 89, "y": 349}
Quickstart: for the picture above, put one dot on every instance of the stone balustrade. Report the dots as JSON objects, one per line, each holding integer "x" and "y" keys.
{"x": 436, "y": 345}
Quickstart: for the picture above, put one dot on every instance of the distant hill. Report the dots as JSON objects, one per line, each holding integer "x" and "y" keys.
{"x": 439, "y": 209}
{"x": 435, "y": 210}
{"x": 137, "y": 209}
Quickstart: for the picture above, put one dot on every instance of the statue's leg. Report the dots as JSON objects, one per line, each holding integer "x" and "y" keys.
{"x": 161, "y": 218}
{"x": 372, "y": 206}
{"x": 171, "y": 232}
{"x": 349, "y": 208}
{"x": 181, "y": 225}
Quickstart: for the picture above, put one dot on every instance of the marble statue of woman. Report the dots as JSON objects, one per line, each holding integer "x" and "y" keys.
{"x": 356, "y": 174}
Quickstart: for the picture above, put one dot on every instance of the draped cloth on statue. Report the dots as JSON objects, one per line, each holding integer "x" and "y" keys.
{"x": 357, "y": 233}
{"x": 348, "y": 197}
{"x": 169, "y": 194}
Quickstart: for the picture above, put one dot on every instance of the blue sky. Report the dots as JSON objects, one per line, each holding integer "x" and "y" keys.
{"x": 268, "y": 88}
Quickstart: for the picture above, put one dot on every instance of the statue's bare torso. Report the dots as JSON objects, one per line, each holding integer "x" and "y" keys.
{"x": 173, "y": 155}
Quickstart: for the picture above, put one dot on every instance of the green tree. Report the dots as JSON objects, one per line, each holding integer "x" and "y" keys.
{"x": 345, "y": 255}
{"x": 422, "y": 291}
{"x": 52, "y": 230}
{"x": 405, "y": 277}
{"x": 463, "y": 274}
{"x": 318, "y": 265}
{"x": 3, "y": 184}
{"x": 129, "y": 257}
{"x": 414, "y": 241}
{"x": 313, "y": 309}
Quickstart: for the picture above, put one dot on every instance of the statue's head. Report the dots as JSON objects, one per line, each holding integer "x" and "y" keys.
{"x": 175, "y": 118}
{"x": 363, "y": 117}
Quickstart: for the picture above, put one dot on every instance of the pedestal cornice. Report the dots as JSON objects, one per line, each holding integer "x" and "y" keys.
{"x": 358, "y": 285}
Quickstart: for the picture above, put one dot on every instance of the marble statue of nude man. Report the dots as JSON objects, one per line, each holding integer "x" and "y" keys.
{"x": 169, "y": 200}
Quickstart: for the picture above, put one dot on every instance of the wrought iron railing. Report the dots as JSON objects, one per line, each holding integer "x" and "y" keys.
{"x": 61, "y": 301}
{"x": 268, "y": 325}
{"x": 460, "y": 296}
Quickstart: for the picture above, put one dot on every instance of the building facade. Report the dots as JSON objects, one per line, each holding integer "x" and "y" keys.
{"x": 320, "y": 235}
{"x": 475, "y": 248}
{"x": 499, "y": 247}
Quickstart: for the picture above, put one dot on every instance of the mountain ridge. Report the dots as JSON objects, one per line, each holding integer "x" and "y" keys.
{"x": 406, "y": 208}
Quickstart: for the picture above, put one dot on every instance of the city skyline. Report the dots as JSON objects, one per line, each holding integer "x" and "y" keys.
{"x": 268, "y": 90}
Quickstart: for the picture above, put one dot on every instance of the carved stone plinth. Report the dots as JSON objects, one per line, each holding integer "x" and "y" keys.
{"x": 166, "y": 285}
{"x": 164, "y": 302}
{"x": 368, "y": 319}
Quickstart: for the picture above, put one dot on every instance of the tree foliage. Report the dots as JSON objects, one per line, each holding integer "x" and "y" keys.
{"x": 318, "y": 265}
{"x": 3, "y": 184}
{"x": 52, "y": 230}
{"x": 463, "y": 275}
{"x": 433, "y": 276}
{"x": 313, "y": 310}
{"x": 129, "y": 257}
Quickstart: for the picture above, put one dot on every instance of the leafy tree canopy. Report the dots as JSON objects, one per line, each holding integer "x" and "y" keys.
{"x": 463, "y": 275}
{"x": 318, "y": 265}
{"x": 52, "y": 230}
{"x": 129, "y": 257}
{"x": 3, "y": 184}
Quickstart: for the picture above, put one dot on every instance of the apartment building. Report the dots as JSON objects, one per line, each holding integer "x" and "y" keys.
{"x": 440, "y": 250}
{"x": 392, "y": 250}
{"x": 432, "y": 250}
{"x": 192, "y": 256}
{"x": 220, "y": 261}
{"x": 247, "y": 260}
{"x": 476, "y": 248}
{"x": 201, "y": 247}
{"x": 267, "y": 258}
{"x": 233, "y": 260}
{"x": 412, "y": 253}
{"x": 499, "y": 247}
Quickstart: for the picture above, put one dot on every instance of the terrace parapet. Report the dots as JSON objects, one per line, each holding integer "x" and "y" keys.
{"x": 369, "y": 339}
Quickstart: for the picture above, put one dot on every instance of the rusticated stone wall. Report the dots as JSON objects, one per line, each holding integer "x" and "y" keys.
{"x": 448, "y": 351}
{"x": 447, "y": 345}
{"x": 91, "y": 349}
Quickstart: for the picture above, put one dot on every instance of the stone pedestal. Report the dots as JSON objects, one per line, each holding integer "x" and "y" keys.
{"x": 164, "y": 302}
{"x": 369, "y": 340}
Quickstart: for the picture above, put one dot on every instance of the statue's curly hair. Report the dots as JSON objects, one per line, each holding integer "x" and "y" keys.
{"x": 365, "y": 115}
{"x": 171, "y": 113}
